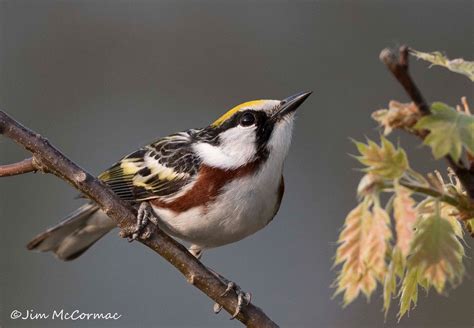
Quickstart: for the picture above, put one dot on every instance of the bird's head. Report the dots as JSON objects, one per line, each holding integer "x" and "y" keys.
{"x": 253, "y": 130}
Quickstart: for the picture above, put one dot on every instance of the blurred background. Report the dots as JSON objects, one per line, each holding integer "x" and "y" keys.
{"x": 101, "y": 78}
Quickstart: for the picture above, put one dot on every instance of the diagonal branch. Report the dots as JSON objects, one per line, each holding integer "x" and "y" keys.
{"x": 398, "y": 66}
{"x": 49, "y": 159}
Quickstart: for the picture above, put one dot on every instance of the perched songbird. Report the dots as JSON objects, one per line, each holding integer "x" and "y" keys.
{"x": 209, "y": 187}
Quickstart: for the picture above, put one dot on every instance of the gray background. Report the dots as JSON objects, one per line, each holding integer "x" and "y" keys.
{"x": 100, "y": 78}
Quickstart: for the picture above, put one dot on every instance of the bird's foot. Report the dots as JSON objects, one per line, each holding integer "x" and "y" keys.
{"x": 196, "y": 251}
{"x": 243, "y": 298}
{"x": 142, "y": 228}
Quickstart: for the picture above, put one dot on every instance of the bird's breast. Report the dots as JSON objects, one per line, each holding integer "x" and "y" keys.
{"x": 224, "y": 207}
{"x": 208, "y": 184}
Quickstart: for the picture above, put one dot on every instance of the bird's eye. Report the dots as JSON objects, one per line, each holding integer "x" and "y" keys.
{"x": 247, "y": 119}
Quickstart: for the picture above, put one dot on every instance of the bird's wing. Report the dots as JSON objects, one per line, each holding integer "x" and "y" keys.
{"x": 160, "y": 169}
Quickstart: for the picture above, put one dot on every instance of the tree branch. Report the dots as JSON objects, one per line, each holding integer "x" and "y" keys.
{"x": 25, "y": 166}
{"x": 468, "y": 208}
{"x": 48, "y": 158}
{"x": 398, "y": 66}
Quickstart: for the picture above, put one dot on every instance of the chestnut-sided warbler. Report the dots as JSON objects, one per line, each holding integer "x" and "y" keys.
{"x": 209, "y": 187}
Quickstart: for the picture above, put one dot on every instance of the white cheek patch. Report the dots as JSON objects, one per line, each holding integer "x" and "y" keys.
{"x": 237, "y": 148}
{"x": 280, "y": 140}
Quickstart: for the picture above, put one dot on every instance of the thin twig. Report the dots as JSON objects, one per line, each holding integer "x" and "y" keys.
{"x": 25, "y": 166}
{"x": 431, "y": 192}
{"x": 435, "y": 189}
{"x": 50, "y": 158}
{"x": 398, "y": 65}
{"x": 443, "y": 197}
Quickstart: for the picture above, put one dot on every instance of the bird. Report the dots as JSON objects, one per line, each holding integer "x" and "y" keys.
{"x": 209, "y": 187}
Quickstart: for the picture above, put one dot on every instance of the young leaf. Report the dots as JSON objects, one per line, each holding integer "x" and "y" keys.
{"x": 470, "y": 226}
{"x": 398, "y": 115}
{"x": 395, "y": 268}
{"x": 378, "y": 237}
{"x": 389, "y": 287}
{"x": 405, "y": 216}
{"x": 436, "y": 252}
{"x": 447, "y": 211}
{"x": 409, "y": 292}
{"x": 384, "y": 161}
{"x": 451, "y": 214}
{"x": 368, "y": 185}
{"x": 458, "y": 65}
{"x": 350, "y": 252}
{"x": 363, "y": 244}
{"x": 450, "y": 131}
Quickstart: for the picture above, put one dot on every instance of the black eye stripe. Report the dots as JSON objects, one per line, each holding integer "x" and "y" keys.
{"x": 263, "y": 126}
{"x": 260, "y": 117}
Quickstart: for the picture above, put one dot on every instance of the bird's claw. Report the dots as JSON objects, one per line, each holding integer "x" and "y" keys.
{"x": 142, "y": 228}
{"x": 243, "y": 298}
{"x": 217, "y": 308}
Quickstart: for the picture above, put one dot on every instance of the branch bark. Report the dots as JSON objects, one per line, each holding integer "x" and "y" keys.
{"x": 25, "y": 166}
{"x": 398, "y": 66}
{"x": 49, "y": 159}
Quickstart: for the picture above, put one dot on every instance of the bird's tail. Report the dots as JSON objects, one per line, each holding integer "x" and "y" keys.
{"x": 75, "y": 234}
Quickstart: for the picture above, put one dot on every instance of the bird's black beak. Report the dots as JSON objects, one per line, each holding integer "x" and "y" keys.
{"x": 290, "y": 104}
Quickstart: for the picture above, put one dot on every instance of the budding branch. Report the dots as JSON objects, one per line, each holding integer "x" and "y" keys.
{"x": 398, "y": 66}
{"x": 47, "y": 158}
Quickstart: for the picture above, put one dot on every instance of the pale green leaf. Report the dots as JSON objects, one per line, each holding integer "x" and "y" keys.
{"x": 389, "y": 287}
{"x": 458, "y": 65}
{"x": 395, "y": 269}
{"x": 436, "y": 258}
{"x": 450, "y": 131}
{"x": 409, "y": 292}
{"x": 436, "y": 252}
{"x": 399, "y": 262}
{"x": 384, "y": 161}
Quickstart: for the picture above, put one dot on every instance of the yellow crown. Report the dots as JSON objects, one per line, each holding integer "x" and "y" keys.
{"x": 230, "y": 113}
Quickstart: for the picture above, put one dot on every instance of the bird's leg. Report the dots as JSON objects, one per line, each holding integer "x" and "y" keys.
{"x": 142, "y": 227}
{"x": 243, "y": 298}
